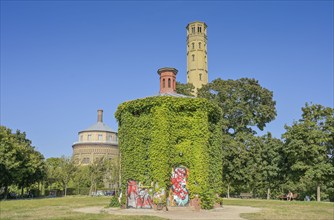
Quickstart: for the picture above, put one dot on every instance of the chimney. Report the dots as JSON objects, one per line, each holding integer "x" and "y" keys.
{"x": 100, "y": 115}
{"x": 167, "y": 79}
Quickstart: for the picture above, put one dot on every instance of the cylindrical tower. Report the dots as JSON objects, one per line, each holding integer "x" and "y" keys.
{"x": 197, "y": 58}
{"x": 167, "y": 80}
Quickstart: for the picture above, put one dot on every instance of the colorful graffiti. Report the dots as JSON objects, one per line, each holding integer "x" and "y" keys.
{"x": 137, "y": 197}
{"x": 180, "y": 194}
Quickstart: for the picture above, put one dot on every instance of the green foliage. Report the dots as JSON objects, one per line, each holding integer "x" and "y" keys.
{"x": 185, "y": 89}
{"x": 114, "y": 202}
{"x": 20, "y": 163}
{"x": 308, "y": 150}
{"x": 60, "y": 171}
{"x": 252, "y": 164}
{"x": 207, "y": 201}
{"x": 96, "y": 172}
{"x": 68, "y": 168}
{"x": 53, "y": 172}
{"x": 244, "y": 103}
{"x": 159, "y": 133}
{"x": 81, "y": 180}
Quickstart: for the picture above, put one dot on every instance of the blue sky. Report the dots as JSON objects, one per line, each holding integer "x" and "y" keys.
{"x": 61, "y": 61}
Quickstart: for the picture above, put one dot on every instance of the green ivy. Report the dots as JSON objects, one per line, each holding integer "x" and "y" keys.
{"x": 114, "y": 202}
{"x": 159, "y": 133}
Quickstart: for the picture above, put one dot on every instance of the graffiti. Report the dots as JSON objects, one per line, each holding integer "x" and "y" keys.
{"x": 137, "y": 197}
{"x": 180, "y": 194}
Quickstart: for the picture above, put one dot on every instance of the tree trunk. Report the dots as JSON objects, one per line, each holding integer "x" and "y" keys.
{"x": 22, "y": 191}
{"x": 268, "y": 193}
{"x": 228, "y": 190}
{"x": 65, "y": 189}
{"x": 318, "y": 193}
{"x": 6, "y": 192}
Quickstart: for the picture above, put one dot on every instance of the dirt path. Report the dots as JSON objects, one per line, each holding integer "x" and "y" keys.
{"x": 226, "y": 213}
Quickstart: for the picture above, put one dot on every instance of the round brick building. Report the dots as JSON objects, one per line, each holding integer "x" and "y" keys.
{"x": 95, "y": 142}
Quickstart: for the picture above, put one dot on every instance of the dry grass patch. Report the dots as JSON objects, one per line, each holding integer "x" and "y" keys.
{"x": 285, "y": 210}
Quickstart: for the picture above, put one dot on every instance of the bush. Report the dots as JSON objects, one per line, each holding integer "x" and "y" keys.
{"x": 114, "y": 202}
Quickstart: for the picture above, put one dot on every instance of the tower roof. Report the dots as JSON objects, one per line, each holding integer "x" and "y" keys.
{"x": 99, "y": 125}
{"x": 197, "y": 22}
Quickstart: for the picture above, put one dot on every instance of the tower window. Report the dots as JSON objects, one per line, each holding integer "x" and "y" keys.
{"x": 193, "y": 57}
{"x": 193, "y": 45}
{"x": 89, "y": 137}
{"x": 100, "y": 137}
{"x": 168, "y": 83}
{"x": 199, "y": 45}
{"x": 109, "y": 137}
{"x": 193, "y": 30}
{"x": 200, "y": 76}
{"x": 163, "y": 83}
{"x": 85, "y": 160}
{"x": 81, "y": 137}
{"x": 199, "y": 29}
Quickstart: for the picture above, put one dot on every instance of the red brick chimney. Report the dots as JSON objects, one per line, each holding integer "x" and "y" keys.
{"x": 100, "y": 115}
{"x": 167, "y": 79}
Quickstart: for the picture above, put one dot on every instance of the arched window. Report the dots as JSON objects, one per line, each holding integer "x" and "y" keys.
{"x": 168, "y": 82}
{"x": 193, "y": 57}
{"x": 193, "y": 45}
{"x": 200, "y": 76}
{"x": 199, "y": 45}
{"x": 163, "y": 83}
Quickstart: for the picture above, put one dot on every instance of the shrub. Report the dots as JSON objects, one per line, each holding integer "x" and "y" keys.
{"x": 114, "y": 202}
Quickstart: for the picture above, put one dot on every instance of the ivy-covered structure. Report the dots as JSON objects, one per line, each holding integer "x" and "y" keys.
{"x": 161, "y": 133}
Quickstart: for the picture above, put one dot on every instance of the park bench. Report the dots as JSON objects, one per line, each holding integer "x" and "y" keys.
{"x": 284, "y": 197}
{"x": 246, "y": 195}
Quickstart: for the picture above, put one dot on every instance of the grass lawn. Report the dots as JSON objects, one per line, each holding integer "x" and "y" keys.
{"x": 274, "y": 209}
{"x": 62, "y": 208}
{"x": 58, "y": 208}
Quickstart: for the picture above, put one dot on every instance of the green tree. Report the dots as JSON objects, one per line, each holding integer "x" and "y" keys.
{"x": 67, "y": 171}
{"x": 244, "y": 103}
{"x": 97, "y": 171}
{"x": 33, "y": 167}
{"x": 235, "y": 157}
{"x": 53, "y": 171}
{"x": 20, "y": 163}
{"x": 9, "y": 159}
{"x": 269, "y": 163}
{"x": 81, "y": 178}
{"x": 112, "y": 173}
{"x": 185, "y": 89}
{"x": 308, "y": 149}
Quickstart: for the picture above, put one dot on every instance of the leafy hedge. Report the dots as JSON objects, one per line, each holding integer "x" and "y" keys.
{"x": 159, "y": 133}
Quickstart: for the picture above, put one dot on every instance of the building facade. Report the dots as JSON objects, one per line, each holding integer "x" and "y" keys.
{"x": 197, "y": 56}
{"x": 95, "y": 142}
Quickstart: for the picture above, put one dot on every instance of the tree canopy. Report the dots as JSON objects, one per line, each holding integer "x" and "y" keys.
{"x": 20, "y": 163}
{"x": 185, "y": 89}
{"x": 308, "y": 149}
{"x": 244, "y": 103}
